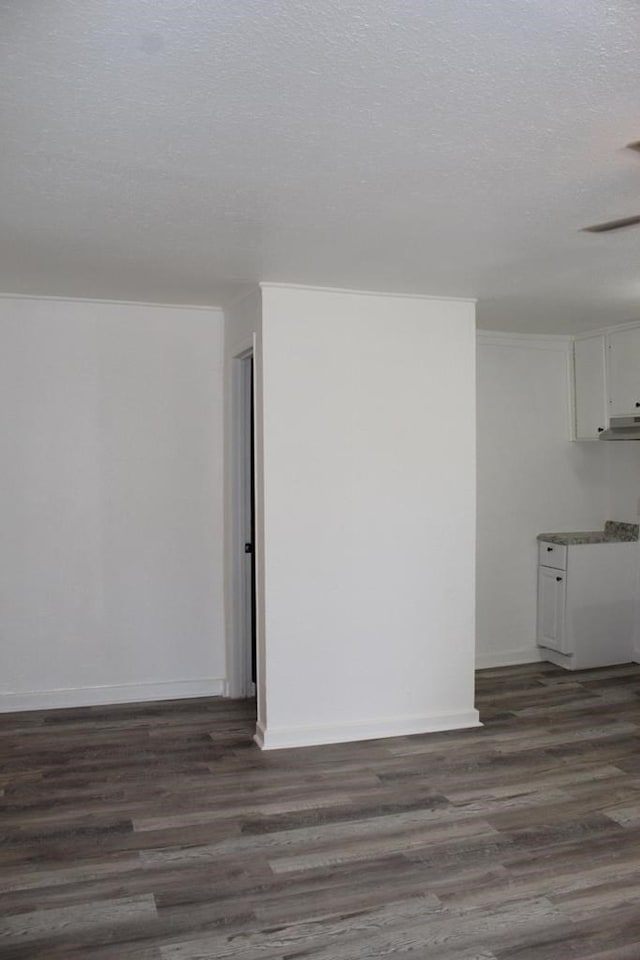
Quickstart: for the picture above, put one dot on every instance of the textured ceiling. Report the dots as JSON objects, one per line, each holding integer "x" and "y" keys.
{"x": 174, "y": 150}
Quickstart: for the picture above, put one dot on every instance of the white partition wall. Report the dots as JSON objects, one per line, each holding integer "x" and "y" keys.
{"x": 369, "y": 523}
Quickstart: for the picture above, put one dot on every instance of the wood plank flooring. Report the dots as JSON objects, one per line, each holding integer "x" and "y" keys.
{"x": 160, "y": 832}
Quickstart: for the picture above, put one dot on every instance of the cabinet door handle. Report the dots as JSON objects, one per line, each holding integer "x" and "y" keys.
{"x": 637, "y": 403}
{"x": 600, "y": 429}
{"x": 549, "y": 549}
{"x": 559, "y": 579}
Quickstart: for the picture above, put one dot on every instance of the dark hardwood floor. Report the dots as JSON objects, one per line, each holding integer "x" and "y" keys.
{"x": 160, "y": 832}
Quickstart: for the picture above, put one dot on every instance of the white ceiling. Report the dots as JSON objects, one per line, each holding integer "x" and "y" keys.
{"x": 174, "y": 150}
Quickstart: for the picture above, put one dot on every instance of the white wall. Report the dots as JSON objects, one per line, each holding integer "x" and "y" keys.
{"x": 369, "y": 483}
{"x": 111, "y": 510}
{"x": 623, "y": 481}
{"x": 531, "y": 479}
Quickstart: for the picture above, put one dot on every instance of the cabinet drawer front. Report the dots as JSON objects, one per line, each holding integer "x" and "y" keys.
{"x": 552, "y": 555}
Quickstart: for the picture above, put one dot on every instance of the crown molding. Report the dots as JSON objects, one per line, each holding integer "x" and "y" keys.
{"x": 264, "y": 284}
{"x": 603, "y": 331}
{"x": 532, "y": 341}
{"x": 121, "y": 303}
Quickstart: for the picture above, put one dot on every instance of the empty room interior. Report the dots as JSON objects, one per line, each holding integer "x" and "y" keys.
{"x": 320, "y": 480}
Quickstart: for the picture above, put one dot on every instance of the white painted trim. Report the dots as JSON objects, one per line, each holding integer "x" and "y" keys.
{"x": 121, "y": 303}
{"x": 120, "y": 693}
{"x": 259, "y": 735}
{"x": 270, "y": 738}
{"x": 507, "y": 338}
{"x": 603, "y": 331}
{"x": 534, "y": 341}
{"x": 508, "y": 658}
{"x": 363, "y": 293}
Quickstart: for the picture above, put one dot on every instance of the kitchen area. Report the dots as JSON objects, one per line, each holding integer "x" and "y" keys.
{"x": 587, "y": 586}
{"x": 588, "y": 580}
{"x": 558, "y": 558}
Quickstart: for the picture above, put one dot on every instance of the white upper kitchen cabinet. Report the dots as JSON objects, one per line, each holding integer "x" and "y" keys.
{"x": 589, "y": 359}
{"x": 624, "y": 372}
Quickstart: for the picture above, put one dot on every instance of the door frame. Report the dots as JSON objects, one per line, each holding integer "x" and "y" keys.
{"x": 239, "y": 681}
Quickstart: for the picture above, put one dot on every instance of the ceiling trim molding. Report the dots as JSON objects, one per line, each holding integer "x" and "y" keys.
{"x": 603, "y": 331}
{"x": 122, "y": 303}
{"x": 531, "y": 341}
{"x": 266, "y": 284}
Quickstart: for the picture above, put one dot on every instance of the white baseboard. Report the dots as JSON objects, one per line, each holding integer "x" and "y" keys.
{"x": 102, "y": 695}
{"x": 508, "y": 658}
{"x": 269, "y": 738}
{"x": 259, "y": 735}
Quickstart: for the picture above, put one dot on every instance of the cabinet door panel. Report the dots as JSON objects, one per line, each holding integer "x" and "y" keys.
{"x": 590, "y": 391}
{"x": 624, "y": 372}
{"x": 551, "y": 609}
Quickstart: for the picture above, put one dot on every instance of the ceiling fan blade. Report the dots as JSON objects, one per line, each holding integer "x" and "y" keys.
{"x": 613, "y": 224}
{"x": 624, "y": 221}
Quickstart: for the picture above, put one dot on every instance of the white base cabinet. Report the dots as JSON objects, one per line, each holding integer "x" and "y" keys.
{"x": 586, "y": 603}
{"x": 552, "y": 594}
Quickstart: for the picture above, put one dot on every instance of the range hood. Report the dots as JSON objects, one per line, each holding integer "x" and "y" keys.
{"x": 622, "y": 428}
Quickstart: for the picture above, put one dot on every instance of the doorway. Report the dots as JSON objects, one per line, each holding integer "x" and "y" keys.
{"x": 250, "y": 544}
{"x": 243, "y": 651}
